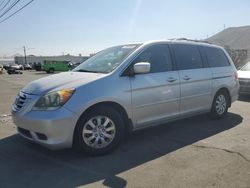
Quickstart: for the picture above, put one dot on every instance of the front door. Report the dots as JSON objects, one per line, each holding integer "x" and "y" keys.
{"x": 155, "y": 95}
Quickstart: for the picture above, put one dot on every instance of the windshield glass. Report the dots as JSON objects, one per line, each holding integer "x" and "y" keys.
{"x": 246, "y": 67}
{"x": 106, "y": 60}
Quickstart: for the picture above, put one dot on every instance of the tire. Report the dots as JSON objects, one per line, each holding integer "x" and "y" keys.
{"x": 91, "y": 138}
{"x": 51, "y": 70}
{"x": 220, "y": 105}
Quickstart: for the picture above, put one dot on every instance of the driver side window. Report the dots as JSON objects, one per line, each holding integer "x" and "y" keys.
{"x": 158, "y": 56}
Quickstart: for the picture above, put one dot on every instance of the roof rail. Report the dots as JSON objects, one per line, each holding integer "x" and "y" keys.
{"x": 192, "y": 40}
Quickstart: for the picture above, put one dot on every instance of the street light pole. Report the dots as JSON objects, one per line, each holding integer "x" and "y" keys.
{"x": 25, "y": 59}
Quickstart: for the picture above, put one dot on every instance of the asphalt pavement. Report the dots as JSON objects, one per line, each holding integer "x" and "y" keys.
{"x": 194, "y": 152}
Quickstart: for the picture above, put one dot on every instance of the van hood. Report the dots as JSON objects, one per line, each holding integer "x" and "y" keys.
{"x": 59, "y": 81}
{"x": 244, "y": 74}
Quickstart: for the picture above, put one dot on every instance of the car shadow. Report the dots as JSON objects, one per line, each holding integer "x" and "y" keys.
{"x": 244, "y": 98}
{"x": 25, "y": 164}
{"x": 42, "y": 73}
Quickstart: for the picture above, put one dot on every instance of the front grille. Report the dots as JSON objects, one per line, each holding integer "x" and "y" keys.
{"x": 20, "y": 101}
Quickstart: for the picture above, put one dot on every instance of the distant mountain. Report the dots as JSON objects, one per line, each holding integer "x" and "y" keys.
{"x": 234, "y": 37}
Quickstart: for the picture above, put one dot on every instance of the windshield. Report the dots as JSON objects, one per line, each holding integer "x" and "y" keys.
{"x": 246, "y": 67}
{"x": 106, "y": 60}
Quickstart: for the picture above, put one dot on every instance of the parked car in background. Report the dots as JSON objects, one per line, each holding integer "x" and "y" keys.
{"x": 6, "y": 66}
{"x": 37, "y": 66}
{"x": 244, "y": 79}
{"x": 52, "y": 66}
{"x": 73, "y": 65}
{"x": 126, "y": 88}
{"x": 17, "y": 67}
{"x": 12, "y": 70}
{"x": 1, "y": 69}
{"x": 27, "y": 67}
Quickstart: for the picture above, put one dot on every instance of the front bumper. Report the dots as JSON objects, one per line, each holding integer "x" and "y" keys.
{"x": 52, "y": 129}
{"x": 244, "y": 86}
{"x": 244, "y": 90}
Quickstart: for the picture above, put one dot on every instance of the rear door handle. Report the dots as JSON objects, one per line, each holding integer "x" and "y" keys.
{"x": 186, "y": 78}
{"x": 171, "y": 79}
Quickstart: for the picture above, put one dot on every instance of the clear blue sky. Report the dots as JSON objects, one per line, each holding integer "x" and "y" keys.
{"x": 53, "y": 27}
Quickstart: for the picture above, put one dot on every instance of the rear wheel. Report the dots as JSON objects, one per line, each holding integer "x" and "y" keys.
{"x": 220, "y": 105}
{"x": 99, "y": 131}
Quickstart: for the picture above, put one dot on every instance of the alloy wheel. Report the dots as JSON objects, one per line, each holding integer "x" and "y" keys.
{"x": 98, "y": 132}
{"x": 220, "y": 104}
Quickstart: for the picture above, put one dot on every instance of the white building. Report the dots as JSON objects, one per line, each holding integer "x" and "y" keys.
{"x": 6, "y": 61}
{"x": 31, "y": 59}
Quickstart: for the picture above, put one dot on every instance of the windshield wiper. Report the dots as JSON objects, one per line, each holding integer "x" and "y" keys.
{"x": 84, "y": 70}
{"x": 92, "y": 71}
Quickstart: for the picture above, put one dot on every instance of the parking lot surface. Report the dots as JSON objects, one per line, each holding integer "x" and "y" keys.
{"x": 194, "y": 152}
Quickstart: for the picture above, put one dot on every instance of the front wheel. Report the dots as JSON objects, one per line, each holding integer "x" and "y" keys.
{"x": 99, "y": 131}
{"x": 51, "y": 70}
{"x": 220, "y": 105}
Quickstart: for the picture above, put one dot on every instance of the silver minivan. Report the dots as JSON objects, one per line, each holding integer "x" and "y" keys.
{"x": 126, "y": 88}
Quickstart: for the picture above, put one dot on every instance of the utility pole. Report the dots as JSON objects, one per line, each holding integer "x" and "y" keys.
{"x": 25, "y": 59}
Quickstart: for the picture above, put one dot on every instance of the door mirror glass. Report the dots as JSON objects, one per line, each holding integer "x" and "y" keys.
{"x": 141, "y": 68}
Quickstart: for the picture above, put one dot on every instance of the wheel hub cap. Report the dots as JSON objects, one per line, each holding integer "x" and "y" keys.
{"x": 98, "y": 132}
{"x": 221, "y": 104}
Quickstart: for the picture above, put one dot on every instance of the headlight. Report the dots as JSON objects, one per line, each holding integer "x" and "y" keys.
{"x": 53, "y": 100}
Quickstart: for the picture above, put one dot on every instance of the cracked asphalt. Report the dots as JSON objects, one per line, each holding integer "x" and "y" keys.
{"x": 194, "y": 152}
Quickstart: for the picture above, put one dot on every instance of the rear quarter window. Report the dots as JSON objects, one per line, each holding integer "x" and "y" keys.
{"x": 216, "y": 57}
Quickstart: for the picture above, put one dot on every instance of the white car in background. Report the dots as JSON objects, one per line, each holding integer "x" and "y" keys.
{"x": 244, "y": 79}
{"x": 1, "y": 69}
{"x": 17, "y": 67}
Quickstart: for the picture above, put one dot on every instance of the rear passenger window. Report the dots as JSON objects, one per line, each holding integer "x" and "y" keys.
{"x": 158, "y": 56}
{"x": 216, "y": 57}
{"x": 187, "y": 56}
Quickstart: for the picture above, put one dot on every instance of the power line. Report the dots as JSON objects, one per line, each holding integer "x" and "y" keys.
{"x": 8, "y": 9}
{"x": 16, "y": 11}
{"x": 2, "y": 3}
{"x": 5, "y": 5}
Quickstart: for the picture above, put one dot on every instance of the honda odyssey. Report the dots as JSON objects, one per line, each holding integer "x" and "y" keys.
{"x": 126, "y": 88}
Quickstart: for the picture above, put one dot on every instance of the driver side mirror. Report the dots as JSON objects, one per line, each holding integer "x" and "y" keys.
{"x": 141, "y": 68}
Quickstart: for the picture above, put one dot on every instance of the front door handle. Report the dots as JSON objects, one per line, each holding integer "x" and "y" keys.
{"x": 186, "y": 78}
{"x": 171, "y": 79}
